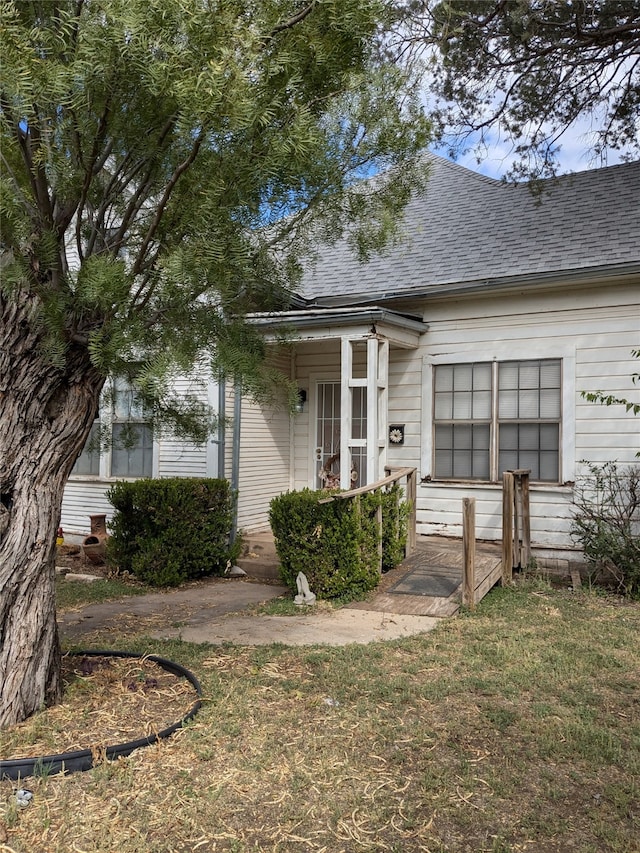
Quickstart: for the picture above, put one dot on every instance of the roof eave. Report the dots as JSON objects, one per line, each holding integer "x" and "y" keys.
{"x": 329, "y": 323}
{"x": 574, "y": 277}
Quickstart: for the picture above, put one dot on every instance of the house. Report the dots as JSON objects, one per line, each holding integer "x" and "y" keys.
{"x": 462, "y": 351}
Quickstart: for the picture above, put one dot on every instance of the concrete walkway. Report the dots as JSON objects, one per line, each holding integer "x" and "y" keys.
{"x": 211, "y": 612}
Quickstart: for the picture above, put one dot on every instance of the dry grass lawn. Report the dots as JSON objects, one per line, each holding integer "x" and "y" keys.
{"x": 516, "y": 728}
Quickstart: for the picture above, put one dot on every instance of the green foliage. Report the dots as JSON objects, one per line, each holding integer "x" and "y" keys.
{"x": 171, "y": 530}
{"x": 612, "y": 399}
{"x": 395, "y": 514}
{"x": 525, "y": 71}
{"x": 606, "y": 523}
{"x": 335, "y": 544}
{"x": 327, "y": 542}
{"x": 166, "y": 166}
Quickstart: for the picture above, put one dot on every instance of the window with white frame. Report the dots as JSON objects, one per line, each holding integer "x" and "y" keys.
{"x": 88, "y": 463}
{"x": 130, "y": 444}
{"x": 491, "y": 417}
{"x": 131, "y": 434}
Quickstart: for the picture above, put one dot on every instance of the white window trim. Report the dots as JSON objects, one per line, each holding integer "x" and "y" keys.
{"x": 505, "y": 351}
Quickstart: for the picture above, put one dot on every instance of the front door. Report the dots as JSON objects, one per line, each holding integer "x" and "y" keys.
{"x": 328, "y": 419}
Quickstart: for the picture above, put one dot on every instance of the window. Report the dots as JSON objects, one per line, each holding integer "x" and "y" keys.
{"x": 88, "y": 463}
{"x": 129, "y": 436}
{"x": 491, "y": 417}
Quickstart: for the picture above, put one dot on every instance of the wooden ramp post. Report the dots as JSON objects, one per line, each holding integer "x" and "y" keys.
{"x": 522, "y": 480}
{"x": 507, "y": 527}
{"x": 469, "y": 552}
{"x": 516, "y": 522}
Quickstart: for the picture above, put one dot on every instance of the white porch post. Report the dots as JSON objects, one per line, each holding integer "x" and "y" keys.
{"x": 346, "y": 374}
{"x": 376, "y": 384}
{"x": 382, "y": 406}
{"x": 373, "y": 452}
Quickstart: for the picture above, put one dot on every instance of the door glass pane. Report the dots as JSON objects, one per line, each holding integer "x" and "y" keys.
{"x": 358, "y": 466}
{"x": 359, "y": 413}
{"x": 328, "y": 434}
{"x": 328, "y": 427}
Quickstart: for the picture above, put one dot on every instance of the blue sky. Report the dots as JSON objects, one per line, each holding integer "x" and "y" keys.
{"x": 574, "y": 154}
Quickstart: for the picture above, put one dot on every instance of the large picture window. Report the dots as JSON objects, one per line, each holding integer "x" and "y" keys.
{"x": 491, "y": 417}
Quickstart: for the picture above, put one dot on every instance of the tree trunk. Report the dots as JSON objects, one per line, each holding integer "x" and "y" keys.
{"x": 46, "y": 412}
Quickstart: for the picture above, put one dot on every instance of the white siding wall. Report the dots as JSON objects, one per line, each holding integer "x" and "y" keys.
{"x": 265, "y": 454}
{"x": 179, "y": 458}
{"x": 593, "y": 331}
{"x": 605, "y": 433}
{"x": 82, "y": 498}
{"x": 405, "y": 406}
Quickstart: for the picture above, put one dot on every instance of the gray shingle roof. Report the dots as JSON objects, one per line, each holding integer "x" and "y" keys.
{"x": 470, "y": 228}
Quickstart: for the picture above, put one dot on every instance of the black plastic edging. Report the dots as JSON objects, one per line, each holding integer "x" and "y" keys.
{"x": 71, "y": 762}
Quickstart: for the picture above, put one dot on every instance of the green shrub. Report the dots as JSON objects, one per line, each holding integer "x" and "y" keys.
{"x": 170, "y": 530}
{"x": 606, "y": 523}
{"x": 336, "y": 544}
{"x": 395, "y": 515}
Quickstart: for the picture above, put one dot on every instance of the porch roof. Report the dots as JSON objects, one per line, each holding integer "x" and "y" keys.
{"x": 313, "y": 324}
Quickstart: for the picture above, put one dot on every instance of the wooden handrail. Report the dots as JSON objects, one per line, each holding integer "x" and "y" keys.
{"x": 390, "y": 479}
{"x": 372, "y": 487}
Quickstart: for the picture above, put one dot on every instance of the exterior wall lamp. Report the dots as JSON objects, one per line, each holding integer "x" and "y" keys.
{"x": 302, "y": 399}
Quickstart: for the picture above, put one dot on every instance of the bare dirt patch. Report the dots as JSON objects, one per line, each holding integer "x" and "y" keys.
{"x": 70, "y": 558}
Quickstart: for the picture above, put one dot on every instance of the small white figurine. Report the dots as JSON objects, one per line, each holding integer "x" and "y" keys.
{"x": 304, "y": 596}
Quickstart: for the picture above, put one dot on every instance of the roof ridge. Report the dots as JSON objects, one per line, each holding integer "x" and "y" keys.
{"x": 457, "y": 167}
{"x": 550, "y": 181}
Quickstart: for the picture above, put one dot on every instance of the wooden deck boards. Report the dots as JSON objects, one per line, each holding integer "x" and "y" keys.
{"x": 443, "y": 558}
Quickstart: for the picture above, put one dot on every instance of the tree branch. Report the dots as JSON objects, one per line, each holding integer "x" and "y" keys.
{"x": 295, "y": 19}
{"x": 161, "y": 206}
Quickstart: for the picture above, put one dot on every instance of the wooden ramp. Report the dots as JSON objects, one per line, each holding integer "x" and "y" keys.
{"x": 436, "y": 566}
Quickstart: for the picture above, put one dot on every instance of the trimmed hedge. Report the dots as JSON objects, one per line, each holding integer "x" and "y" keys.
{"x": 336, "y": 544}
{"x": 167, "y": 531}
{"x": 395, "y": 516}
